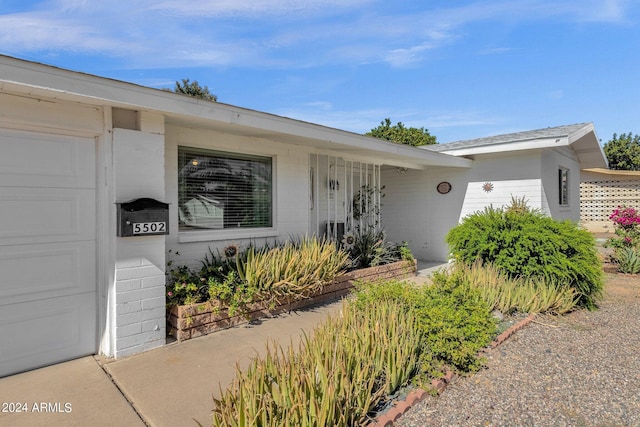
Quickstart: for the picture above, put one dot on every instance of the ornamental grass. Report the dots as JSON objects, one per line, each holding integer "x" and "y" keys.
{"x": 387, "y": 335}
{"x": 293, "y": 270}
{"x": 526, "y": 295}
{"x": 336, "y": 377}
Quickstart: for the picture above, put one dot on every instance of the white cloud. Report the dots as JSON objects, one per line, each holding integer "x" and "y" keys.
{"x": 459, "y": 119}
{"x": 611, "y": 11}
{"x": 363, "y": 120}
{"x": 495, "y": 50}
{"x": 407, "y": 56}
{"x": 270, "y": 33}
{"x": 37, "y": 32}
{"x": 216, "y": 8}
{"x": 321, "y": 105}
{"x": 357, "y": 121}
{"x": 555, "y": 94}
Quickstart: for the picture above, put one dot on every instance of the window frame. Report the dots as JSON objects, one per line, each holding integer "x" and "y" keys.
{"x": 563, "y": 187}
{"x": 203, "y": 234}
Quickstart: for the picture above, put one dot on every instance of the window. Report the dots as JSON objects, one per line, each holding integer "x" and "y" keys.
{"x": 219, "y": 190}
{"x": 563, "y": 186}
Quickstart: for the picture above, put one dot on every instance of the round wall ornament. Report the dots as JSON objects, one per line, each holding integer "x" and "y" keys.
{"x": 444, "y": 187}
{"x": 487, "y": 187}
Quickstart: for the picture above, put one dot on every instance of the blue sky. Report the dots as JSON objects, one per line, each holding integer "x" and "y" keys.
{"x": 462, "y": 69}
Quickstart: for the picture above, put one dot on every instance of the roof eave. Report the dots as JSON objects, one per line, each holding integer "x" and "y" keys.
{"x": 534, "y": 144}
{"x": 584, "y": 142}
{"x": 586, "y": 145}
{"x": 39, "y": 80}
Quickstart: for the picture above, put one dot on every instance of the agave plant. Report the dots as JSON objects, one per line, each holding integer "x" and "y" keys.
{"x": 369, "y": 248}
{"x": 628, "y": 260}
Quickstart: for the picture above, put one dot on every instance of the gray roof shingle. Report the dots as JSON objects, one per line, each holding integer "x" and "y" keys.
{"x": 554, "y": 132}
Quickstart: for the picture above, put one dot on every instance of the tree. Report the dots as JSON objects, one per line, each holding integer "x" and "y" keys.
{"x": 401, "y": 134}
{"x": 623, "y": 152}
{"x": 194, "y": 89}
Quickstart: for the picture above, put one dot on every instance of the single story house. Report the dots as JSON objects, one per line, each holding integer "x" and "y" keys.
{"x": 101, "y": 181}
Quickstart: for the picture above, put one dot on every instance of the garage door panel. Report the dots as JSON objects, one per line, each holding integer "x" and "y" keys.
{"x": 31, "y": 215}
{"x": 31, "y": 272}
{"x": 46, "y": 331}
{"x": 48, "y": 310}
{"x": 44, "y": 160}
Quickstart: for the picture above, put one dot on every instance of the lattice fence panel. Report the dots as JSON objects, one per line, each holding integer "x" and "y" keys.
{"x": 599, "y": 198}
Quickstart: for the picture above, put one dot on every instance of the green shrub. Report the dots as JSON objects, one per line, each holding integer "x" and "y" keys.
{"x": 184, "y": 286}
{"x": 454, "y": 320}
{"x": 232, "y": 292}
{"x": 336, "y": 377}
{"x": 368, "y": 293}
{"x": 530, "y": 244}
{"x": 404, "y": 252}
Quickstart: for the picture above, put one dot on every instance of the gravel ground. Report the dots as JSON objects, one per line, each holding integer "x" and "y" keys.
{"x": 582, "y": 369}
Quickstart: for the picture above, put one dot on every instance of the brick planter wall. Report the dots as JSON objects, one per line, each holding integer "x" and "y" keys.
{"x": 190, "y": 321}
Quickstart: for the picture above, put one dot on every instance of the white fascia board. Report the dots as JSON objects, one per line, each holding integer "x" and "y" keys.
{"x": 532, "y": 144}
{"x": 574, "y": 136}
{"x": 355, "y": 142}
{"x": 613, "y": 172}
{"x": 586, "y": 145}
{"x": 36, "y": 79}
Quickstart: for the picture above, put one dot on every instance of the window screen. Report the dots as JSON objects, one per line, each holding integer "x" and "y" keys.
{"x": 218, "y": 190}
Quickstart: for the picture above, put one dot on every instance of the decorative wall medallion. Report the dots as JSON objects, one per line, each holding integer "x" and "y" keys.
{"x": 487, "y": 187}
{"x": 444, "y": 187}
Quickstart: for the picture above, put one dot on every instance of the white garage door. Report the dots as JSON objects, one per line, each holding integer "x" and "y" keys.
{"x": 47, "y": 249}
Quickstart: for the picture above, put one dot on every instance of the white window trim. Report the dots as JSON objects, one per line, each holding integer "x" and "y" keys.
{"x": 228, "y": 234}
{"x": 189, "y": 236}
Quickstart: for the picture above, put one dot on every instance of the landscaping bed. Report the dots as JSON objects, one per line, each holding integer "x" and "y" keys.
{"x": 392, "y": 336}
{"x": 194, "y": 320}
{"x": 565, "y": 370}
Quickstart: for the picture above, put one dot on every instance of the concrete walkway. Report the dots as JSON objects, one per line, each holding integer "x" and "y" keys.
{"x": 75, "y": 393}
{"x": 169, "y": 386}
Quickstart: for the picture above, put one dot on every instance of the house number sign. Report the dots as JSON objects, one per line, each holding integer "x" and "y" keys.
{"x": 444, "y": 187}
{"x": 143, "y": 217}
{"x": 149, "y": 227}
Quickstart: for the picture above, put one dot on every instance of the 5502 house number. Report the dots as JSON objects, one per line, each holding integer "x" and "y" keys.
{"x": 149, "y": 227}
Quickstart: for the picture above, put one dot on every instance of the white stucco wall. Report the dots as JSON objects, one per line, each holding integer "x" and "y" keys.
{"x": 510, "y": 175}
{"x": 414, "y": 211}
{"x": 291, "y": 193}
{"x": 552, "y": 160}
{"x": 405, "y": 212}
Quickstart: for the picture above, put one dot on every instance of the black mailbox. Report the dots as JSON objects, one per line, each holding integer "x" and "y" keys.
{"x": 143, "y": 217}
